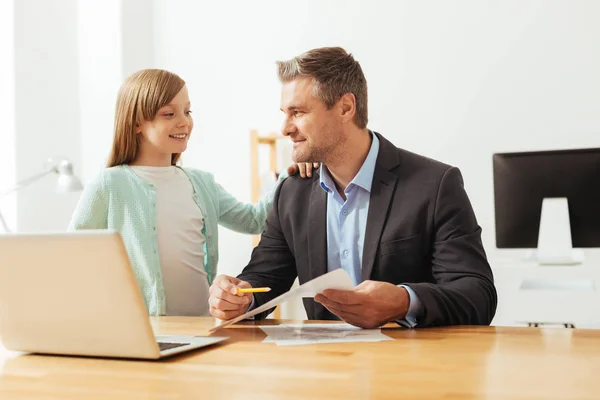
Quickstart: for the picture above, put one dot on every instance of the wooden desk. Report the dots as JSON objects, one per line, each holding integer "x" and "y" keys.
{"x": 449, "y": 363}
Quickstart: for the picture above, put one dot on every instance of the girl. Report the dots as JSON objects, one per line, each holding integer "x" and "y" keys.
{"x": 167, "y": 215}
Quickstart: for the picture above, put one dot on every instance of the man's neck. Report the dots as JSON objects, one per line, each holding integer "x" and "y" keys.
{"x": 345, "y": 167}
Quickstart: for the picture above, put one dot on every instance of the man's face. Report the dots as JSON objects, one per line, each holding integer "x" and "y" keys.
{"x": 314, "y": 130}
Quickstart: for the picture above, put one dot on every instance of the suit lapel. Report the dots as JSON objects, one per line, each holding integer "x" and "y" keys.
{"x": 382, "y": 193}
{"x": 317, "y": 231}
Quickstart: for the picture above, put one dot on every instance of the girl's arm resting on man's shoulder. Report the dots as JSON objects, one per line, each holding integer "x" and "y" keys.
{"x": 244, "y": 217}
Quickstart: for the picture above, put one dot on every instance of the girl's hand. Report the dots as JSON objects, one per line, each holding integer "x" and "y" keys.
{"x": 305, "y": 169}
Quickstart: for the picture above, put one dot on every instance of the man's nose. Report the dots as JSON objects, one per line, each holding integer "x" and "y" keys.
{"x": 288, "y": 128}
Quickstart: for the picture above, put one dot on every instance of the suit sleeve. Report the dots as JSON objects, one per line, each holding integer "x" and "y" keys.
{"x": 463, "y": 292}
{"x": 272, "y": 263}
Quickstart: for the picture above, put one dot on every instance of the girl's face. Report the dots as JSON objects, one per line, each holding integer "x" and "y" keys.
{"x": 167, "y": 133}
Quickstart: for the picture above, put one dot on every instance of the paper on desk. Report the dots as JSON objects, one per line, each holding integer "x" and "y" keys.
{"x": 336, "y": 279}
{"x": 296, "y": 334}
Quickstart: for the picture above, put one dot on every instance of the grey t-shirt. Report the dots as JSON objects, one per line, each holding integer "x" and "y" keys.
{"x": 180, "y": 241}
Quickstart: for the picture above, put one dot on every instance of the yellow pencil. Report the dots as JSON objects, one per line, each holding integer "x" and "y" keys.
{"x": 254, "y": 290}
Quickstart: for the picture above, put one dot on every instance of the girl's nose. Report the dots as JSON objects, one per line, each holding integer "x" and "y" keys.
{"x": 182, "y": 123}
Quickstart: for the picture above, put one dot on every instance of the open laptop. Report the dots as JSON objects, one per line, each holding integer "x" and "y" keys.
{"x": 76, "y": 294}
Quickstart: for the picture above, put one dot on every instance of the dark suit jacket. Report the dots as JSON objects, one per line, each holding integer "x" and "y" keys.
{"x": 421, "y": 231}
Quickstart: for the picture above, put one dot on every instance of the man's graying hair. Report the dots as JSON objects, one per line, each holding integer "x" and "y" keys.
{"x": 334, "y": 73}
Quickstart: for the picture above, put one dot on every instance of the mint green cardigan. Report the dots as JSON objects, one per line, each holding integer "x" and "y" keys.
{"x": 119, "y": 200}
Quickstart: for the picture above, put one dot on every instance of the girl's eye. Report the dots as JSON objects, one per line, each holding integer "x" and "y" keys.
{"x": 188, "y": 112}
{"x": 168, "y": 114}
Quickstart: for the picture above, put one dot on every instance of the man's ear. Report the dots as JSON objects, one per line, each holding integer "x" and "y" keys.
{"x": 347, "y": 104}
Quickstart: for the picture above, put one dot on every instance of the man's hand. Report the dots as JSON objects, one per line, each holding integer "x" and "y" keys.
{"x": 370, "y": 305}
{"x": 305, "y": 169}
{"x": 224, "y": 300}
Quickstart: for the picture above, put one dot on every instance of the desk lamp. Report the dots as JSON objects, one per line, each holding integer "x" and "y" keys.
{"x": 67, "y": 181}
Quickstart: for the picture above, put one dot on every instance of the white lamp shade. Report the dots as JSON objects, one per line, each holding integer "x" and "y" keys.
{"x": 68, "y": 183}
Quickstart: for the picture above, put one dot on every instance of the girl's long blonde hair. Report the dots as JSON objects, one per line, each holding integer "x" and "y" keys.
{"x": 140, "y": 97}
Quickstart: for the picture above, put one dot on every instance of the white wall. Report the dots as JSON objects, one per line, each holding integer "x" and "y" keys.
{"x": 7, "y": 112}
{"x": 47, "y": 107}
{"x": 100, "y": 75}
{"x": 115, "y": 40}
{"x": 456, "y": 81}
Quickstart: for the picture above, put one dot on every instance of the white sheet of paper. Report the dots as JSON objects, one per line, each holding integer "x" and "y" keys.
{"x": 336, "y": 279}
{"x": 297, "y": 334}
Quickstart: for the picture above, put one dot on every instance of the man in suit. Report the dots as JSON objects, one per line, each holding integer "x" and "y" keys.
{"x": 400, "y": 224}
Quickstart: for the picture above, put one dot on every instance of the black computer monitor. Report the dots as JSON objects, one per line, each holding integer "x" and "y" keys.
{"x": 521, "y": 182}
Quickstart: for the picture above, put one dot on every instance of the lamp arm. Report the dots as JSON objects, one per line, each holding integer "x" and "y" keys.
{"x": 29, "y": 180}
{"x": 18, "y": 186}
{"x": 4, "y": 224}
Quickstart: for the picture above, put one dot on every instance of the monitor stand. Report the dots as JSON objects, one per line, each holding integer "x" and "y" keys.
{"x": 555, "y": 246}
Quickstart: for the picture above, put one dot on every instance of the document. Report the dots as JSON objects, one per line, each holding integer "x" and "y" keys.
{"x": 297, "y": 334}
{"x": 336, "y": 279}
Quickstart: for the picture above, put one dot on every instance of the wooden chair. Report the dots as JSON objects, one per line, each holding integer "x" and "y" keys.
{"x": 256, "y": 141}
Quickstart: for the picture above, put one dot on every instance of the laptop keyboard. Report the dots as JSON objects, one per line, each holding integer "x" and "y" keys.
{"x": 168, "y": 346}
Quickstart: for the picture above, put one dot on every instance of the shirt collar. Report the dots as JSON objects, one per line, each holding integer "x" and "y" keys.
{"x": 364, "y": 177}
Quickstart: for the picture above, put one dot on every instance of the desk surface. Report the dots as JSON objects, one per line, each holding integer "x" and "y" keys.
{"x": 450, "y": 363}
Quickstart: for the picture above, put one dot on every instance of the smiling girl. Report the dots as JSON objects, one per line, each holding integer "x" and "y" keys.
{"x": 168, "y": 216}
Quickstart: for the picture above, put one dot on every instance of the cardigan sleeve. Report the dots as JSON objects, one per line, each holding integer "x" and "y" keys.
{"x": 91, "y": 211}
{"x": 243, "y": 217}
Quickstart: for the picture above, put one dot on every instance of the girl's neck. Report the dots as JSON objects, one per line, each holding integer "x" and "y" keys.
{"x": 162, "y": 161}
